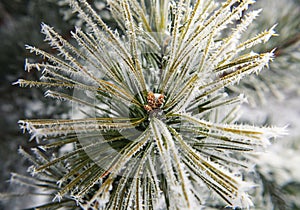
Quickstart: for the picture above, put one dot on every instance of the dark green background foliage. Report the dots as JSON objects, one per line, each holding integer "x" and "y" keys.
{"x": 19, "y": 25}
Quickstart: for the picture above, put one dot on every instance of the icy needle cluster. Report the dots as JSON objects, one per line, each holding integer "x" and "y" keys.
{"x": 282, "y": 77}
{"x": 156, "y": 126}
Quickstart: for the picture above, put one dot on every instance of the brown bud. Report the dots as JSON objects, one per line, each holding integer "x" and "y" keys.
{"x": 160, "y": 100}
{"x": 151, "y": 99}
{"x": 148, "y": 108}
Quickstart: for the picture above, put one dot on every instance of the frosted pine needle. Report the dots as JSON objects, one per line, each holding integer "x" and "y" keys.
{"x": 282, "y": 77}
{"x": 156, "y": 124}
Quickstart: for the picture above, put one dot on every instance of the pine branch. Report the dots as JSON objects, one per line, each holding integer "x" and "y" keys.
{"x": 149, "y": 134}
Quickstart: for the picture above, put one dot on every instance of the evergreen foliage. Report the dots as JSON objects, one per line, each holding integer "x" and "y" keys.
{"x": 153, "y": 125}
